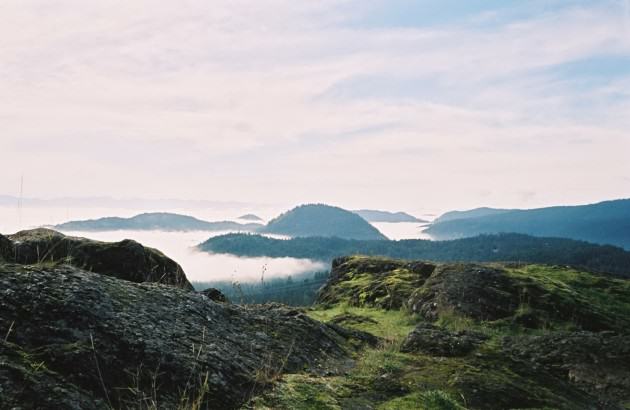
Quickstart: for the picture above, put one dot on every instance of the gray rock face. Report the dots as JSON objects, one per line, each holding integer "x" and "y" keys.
{"x": 215, "y": 295}
{"x": 597, "y": 362}
{"x": 480, "y": 292}
{"x": 429, "y": 339}
{"x": 126, "y": 259}
{"x": 76, "y": 339}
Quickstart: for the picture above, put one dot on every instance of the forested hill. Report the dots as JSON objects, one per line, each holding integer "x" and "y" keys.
{"x": 604, "y": 223}
{"x": 484, "y": 248}
{"x": 322, "y": 220}
{"x": 156, "y": 221}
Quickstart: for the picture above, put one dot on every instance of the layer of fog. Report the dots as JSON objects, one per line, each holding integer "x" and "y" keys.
{"x": 180, "y": 246}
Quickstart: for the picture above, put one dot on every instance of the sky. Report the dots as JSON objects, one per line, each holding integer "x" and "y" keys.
{"x": 392, "y": 104}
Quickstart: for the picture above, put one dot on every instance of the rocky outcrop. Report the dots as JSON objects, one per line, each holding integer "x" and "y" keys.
{"x": 521, "y": 295}
{"x": 126, "y": 259}
{"x": 480, "y": 292}
{"x": 498, "y": 336}
{"x": 381, "y": 282}
{"x": 430, "y": 339}
{"x": 215, "y": 295}
{"x": 80, "y": 340}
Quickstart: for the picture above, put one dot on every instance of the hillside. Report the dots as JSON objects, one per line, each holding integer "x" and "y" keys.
{"x": 156, "y": 221}
{"x": 605, "y": 223}
{"x": 458, "y": 336}
{"x": 485, "y": 248}
{"x": 322, "y": 221}
{"x": 473, "y": 213}
{"x": 384, "y": 216}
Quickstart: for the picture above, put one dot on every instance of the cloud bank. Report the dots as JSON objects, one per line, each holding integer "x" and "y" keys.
{"x": 395, "y": 104}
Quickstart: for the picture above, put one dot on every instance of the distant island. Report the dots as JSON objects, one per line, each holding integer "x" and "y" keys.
{"x": 250, "y": 217}
{"x": 385, "y": 216}
{"x": 604, "y": 223}
{"x": 162, "y": 221}
{"x": 485, "y": 248}
{"x": 322, "y": 221}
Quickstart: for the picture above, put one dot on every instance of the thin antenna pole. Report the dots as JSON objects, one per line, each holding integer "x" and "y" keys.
{"x": 20, "y": 202}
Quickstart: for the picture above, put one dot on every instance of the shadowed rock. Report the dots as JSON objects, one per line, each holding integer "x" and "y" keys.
{"x": 73, "y": 335}
{"x": 215, "y": 295}
{"x": 126, "y": 259}
{"x": 477, "y": 291}
{"x": 597, "y": 362}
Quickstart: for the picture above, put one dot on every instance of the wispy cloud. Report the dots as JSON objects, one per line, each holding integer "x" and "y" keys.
{"x": 297, "y": 100}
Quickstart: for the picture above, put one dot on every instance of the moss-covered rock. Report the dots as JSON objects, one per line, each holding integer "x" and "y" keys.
{"x": 477, "y": 291}
{"x": 126, "y": 259}
{"x": 369, "y": 281}
{"x": 529, "y": 296}
{"x": 499, "y": 336}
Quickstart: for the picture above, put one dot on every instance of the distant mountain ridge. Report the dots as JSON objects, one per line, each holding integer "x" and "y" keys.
{"x": 250, "y": 217}
{"x": 371, "y": 215}
{"x": 156, "y": 221}
{"x": 323, "y": 221}
{"x": 604, "y": 223}
{"x": 473, "y": 213}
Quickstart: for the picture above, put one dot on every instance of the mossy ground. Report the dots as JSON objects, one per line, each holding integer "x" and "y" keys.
{"x": 385, "y": 378}
{"x": 382, "y": 377}
{"x": 598, "y": 296}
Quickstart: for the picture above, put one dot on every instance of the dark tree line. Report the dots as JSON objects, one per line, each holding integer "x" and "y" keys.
{"x": 485, "y": 248}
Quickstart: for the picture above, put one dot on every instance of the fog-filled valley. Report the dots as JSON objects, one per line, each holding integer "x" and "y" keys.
{"x": 180, "y": 245}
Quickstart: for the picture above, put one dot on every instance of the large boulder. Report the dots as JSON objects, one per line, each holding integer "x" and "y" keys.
{"x": 126, "y": 259}
{"x": 79, "y": 340}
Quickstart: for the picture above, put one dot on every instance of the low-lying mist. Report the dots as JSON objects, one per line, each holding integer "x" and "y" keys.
{"x": 205, "y": 267}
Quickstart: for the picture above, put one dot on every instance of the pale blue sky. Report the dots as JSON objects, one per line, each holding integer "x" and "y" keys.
{"x": 395, "y": 104}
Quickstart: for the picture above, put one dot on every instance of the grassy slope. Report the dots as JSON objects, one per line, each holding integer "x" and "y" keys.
{"x": 385, "y": 378}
